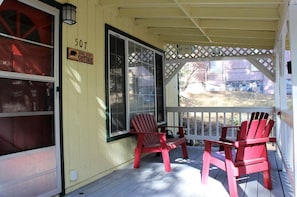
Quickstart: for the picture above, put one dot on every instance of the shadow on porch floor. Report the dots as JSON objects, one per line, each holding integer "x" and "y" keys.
{"x": 150, "y": 180}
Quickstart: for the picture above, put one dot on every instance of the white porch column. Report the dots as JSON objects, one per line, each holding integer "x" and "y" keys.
{"x": 280, "y": 90}
{"x": 293, "y": 46}
{"x": 280, "y": 77}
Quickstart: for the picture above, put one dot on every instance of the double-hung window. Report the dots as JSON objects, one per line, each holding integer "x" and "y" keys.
{"x": 134, "y": 81}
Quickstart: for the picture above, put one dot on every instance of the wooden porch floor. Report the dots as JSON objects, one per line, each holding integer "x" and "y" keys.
{"x": 150, "y": 180}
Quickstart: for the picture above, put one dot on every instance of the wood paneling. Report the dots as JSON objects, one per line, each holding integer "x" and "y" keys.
{"x": 84, "y": 130}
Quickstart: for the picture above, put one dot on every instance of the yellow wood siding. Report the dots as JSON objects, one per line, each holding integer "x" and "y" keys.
{"x": 84, "y": 127}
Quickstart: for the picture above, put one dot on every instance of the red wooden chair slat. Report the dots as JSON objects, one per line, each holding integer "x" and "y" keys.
{"x": 246, "y": 155}
{"x": 150, "y": 140}
{"x": 224, "y": 129}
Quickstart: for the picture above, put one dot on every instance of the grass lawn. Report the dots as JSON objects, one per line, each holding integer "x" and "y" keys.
{"x": 226, "y": 98}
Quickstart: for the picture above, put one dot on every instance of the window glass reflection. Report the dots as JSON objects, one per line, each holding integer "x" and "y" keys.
{"x": 21, "y": 57}
{"x": 26, "y": 133}
{"x": 25, "y": 96}
{"x": 141, "y": 80}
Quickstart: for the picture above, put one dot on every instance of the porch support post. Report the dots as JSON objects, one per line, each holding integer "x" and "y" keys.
{"x": 293, "y": 46}
{"x": 279, "y": 90}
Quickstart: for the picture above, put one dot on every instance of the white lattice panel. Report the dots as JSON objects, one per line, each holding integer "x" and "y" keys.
{"x": 188, "y": 52}
{"x": 170, "y": 68}
{"x": 267, "y": 63}
{"x": 195, "y": 51}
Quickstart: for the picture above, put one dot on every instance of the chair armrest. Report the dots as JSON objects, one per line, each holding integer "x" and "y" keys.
{"x": 224, "y": 146}
{"x": 147, "y": 133}
{"x": 221, "y": 143}
{"x": 181, "y": 130}
{"x": 163, "y": 127}
{"x": 227, "y": 140}
{"x": 251, "y": 141}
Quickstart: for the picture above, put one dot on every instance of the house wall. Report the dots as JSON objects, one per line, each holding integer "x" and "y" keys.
{"x": 86, "y": 152}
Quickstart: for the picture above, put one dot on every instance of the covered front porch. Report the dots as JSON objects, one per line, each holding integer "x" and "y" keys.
{"x": 190, "y": 31}
{"x": 137, "y": 49}
{"x": 184, "y": 180}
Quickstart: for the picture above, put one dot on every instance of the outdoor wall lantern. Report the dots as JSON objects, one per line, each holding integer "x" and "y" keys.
{"x": 69, "y": 14}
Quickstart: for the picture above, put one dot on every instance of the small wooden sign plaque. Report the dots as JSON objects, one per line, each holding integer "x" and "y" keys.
{"x": 80, "y": 56}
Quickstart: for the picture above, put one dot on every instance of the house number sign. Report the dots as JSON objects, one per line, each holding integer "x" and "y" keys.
{"x": 79, "y": 55}
{"x": 80, "y": 43}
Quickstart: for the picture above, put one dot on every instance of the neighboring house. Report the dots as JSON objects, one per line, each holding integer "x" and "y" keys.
{"x": 232, "y": 75}
{"x": 239, "y": 75}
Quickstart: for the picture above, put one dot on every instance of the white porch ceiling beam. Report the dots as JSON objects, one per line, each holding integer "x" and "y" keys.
{"x": 226, "y": 3}
{"x": 210, "y": 24}
{"x": 195, "y": 22}
{"x": 232, "y": 2}
{"x": 223, "y": 33}
{"x": 175, "y": 31}
{"x": 177, "y": 23}
{"x": 254, "y": 22}
{"x": 239, "y": 13}
{"x": 239, "y": 24}
{"x": 241, "y": 34}
{"x": 136, "y": 3}
{"x": 202, "y": 13}
{"x": 152, "y": 12}
{"x": 190, "y": 39}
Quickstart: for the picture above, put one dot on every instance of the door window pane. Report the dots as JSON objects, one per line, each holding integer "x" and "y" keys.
{"x": 26, "y": 78}
{"x": 20, "y": 133}
{"x": 22, "y": 57}
{"x": 25, "y": 96}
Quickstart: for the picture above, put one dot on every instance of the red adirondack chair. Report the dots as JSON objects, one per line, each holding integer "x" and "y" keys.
{"x": 152, "y": 140}
{"x": 246, "y": 155}
{"x": 224, "y": 129}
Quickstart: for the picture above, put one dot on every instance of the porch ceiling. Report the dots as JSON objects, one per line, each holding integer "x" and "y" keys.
{"x": 233, "y": 23}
